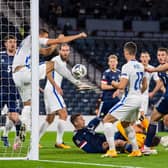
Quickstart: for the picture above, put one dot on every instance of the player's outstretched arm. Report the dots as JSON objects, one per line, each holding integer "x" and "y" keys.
{"x": 64, "y": 71}
{"x": 48, "y": 51}
{"x": 66, "y": 39}
{"x": 160, "y": 68}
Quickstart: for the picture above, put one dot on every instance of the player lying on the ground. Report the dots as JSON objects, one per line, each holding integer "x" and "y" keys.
{"x": 90, "y": 141}
{"x": 140, "y": 129}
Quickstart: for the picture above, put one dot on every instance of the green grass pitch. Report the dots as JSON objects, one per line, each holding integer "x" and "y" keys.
{"x": 75, "y": 158}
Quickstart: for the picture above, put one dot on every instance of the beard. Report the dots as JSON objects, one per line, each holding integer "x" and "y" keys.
{"x": 65, "y": 57}
{"x": 12, "y": 49}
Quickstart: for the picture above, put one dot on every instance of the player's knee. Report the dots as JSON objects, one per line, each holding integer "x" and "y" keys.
{"x": 156, "y": 116}
{"x": 50, "y": 118}
{"x": 109, "y": 118}
{"x": 63, "y": 114}
{"x": 14, "y": 117}
{"x": 63, "y": 117}
{"x": 165, "y": 120}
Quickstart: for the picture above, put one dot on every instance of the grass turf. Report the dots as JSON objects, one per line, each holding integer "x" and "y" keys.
{"x": 74, "y": 157}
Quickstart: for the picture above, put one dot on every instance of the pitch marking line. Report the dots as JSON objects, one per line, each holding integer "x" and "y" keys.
{"x": 89, "y": 164}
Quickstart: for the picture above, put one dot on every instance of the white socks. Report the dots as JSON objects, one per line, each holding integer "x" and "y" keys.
{"x": 43, "y": 129}
{"x": 60, "y": 131}
{"x": 26, "y": 116}
{"x": 132, "y": 137}
{"x": 109, "y": 130}
{"x": 8, "y": 126}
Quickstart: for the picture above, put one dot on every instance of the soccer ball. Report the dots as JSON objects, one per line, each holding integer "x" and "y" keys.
{"x": 79, "y": 71}
{"x": 164, "y": 141}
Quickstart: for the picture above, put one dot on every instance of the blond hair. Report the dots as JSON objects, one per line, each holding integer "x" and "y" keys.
{"x": 112, "y": 56}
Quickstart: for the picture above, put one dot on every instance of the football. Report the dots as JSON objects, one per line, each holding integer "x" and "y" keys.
{"x": 79, "y": 71}
{"x": 164, "y": 141}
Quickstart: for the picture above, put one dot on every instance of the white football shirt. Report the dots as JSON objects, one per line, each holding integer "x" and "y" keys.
{"x": 56, "y": 76}
{"x": 23, "y": 53}
{"x": 134, "y": 72}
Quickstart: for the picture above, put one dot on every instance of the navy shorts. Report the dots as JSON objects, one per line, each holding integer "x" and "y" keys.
{"x": 11, "y": 100}
{"x": 106, "y": 105}
{"x": 162, "y": 106}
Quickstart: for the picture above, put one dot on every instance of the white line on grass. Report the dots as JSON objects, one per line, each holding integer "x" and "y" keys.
{"x": 89, "y": 164}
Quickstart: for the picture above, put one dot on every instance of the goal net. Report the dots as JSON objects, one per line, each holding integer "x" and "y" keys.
{"x": 15, "y": 25}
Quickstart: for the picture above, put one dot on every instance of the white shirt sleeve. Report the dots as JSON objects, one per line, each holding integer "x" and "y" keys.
{"x": 125, "y": 72}
{"x": 43, "y": 41}
{"x": 155, "y": 76}
{"x": 145, "y": 75}
{"x": 65, "y": 72}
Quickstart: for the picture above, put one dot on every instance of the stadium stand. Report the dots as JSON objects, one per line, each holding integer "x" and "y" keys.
{"x": 70, "y": 16}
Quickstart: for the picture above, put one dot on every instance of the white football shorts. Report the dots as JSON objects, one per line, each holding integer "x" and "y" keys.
{"x": 127, "y": 109}
{"x": 22, "y": 79}
{"x": 53, "y": 100}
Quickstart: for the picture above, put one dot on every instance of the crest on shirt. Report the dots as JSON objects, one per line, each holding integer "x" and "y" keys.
{"x": 77, "y": 142}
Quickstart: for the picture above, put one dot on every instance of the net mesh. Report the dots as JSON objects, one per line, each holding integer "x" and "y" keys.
{"x": 15, "y": 21}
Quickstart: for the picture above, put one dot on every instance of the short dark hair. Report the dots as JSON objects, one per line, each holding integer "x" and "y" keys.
{"x": 163, "y": 49}
{"x": 131, "y": 47}
{"x": 74, "y": 117}
{"x": 63, "y": 44}
{"x": 6, "y": 38}
{"x": 145, "y": 52}
{"x": 42, "y": 31}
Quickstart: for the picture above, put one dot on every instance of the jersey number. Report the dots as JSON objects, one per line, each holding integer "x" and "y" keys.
{"x": 138, "y": 80}
{"x": 9, "y": 68}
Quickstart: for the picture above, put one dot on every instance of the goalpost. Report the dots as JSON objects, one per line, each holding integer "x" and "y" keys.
{"x": 15, "y": 18}
{"x": 34, "y": 151}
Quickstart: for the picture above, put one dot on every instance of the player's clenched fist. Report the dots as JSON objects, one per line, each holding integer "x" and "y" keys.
{"x": 83, "y": 35}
